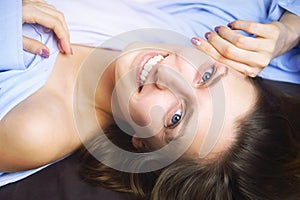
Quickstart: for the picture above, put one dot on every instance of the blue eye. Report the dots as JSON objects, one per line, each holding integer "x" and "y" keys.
{"x": 176, "y": 117}
{"x": 207, "y": 75}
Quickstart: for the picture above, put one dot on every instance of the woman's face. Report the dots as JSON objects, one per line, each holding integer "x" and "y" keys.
{"x": 173, "y": 93}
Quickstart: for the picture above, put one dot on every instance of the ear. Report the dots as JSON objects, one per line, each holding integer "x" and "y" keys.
{"x": 139, "y": 144}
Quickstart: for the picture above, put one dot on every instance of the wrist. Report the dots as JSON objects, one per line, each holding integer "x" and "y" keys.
{"x": 291, "y": 22}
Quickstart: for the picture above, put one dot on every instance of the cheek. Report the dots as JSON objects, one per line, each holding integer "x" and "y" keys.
{"x": 147, "y": 112}
{"x": 124, "y": 64}
{"x": 151, "y": 106}
{"x": 139, "y": 112}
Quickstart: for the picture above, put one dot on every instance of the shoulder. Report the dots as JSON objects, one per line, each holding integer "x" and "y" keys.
{"x": 35, "y": 133}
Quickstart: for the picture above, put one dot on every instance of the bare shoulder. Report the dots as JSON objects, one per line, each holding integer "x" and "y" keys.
{"x": 41, "y": 129}
{"x": 37, "y": 131}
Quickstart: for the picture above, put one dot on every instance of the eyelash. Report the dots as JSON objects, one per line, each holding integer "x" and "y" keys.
{"x": 170, "y": 123}
{"x": 210, "y": 72}
{"x": 179, "y": 112}
{"x": 169, "y": 136}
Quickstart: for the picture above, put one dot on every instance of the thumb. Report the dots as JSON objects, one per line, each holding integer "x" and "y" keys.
{"x": 35, "y": 47}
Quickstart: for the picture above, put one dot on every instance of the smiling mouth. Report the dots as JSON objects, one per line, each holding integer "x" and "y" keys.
{"x": 147, "y": 67}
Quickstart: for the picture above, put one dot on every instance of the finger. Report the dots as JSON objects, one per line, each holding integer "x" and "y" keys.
{"x": 57, "y": 25}
{"x": 258, "y": 29}
{"x": 241, "y": 41}
{"x": 60, "y": 29}
{"x": 35, "y": 47}
{"x": 52, "y": 19}
{"x": 212, "y": 52}
{"x": 55, "y": 13}
{"x": 229, "y": 51}
{"x": 42, "y": 1}
{"x": 60, "y": 47}
{"x": 29, "y": 9}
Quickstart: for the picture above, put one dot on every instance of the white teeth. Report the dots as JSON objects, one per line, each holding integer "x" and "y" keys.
{"x": 158, "y": 57}
{"x": 152, "y": 61}
{"x": 143, "y": 78}
{"x": 145, "y": 73}
{"x": 148, "y": 66}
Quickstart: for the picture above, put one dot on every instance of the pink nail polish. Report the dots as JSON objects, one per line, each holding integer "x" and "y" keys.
{"x": 47, "y": 30}
{"x": 195, "y": 41}
{"x": 207, "y": 35}
{"x": 44, "y": 53}
{"x": 217, "y": 29}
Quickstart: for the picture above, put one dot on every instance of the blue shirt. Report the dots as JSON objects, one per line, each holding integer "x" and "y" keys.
{"x": 91, "y": 22}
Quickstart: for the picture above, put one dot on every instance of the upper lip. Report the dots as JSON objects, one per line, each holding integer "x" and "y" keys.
{"x": 142, "y": 63}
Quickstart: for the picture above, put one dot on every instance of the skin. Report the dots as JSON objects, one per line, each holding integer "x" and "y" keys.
{"x": 41, "y": 128}
{"x": 162, "y": 92}
{"x": 40, "y": 12}
{"x": 45, "y": 132}
{"x": 27, "y": 139}
{"x": 271, "y": 40}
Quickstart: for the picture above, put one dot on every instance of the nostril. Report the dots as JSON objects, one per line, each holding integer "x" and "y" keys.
{"x": 140, "y": 88}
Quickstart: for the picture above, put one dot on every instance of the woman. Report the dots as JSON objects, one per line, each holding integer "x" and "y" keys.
{"x": 38, "y": 116}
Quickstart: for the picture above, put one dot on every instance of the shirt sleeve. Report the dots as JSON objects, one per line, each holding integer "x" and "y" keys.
{"x": 286, "y": 67}
{"x": 11, "y": 35}
{"x": 292, "y": 6}
{"x": 278, "y": 7}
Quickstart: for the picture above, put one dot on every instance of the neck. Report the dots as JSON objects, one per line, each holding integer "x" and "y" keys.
{"x": 105, "y": 85}
{"x": 94, "y": 86}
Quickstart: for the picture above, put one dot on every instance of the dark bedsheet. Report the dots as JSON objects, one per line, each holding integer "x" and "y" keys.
{"x": 59, "y": 181}
{"x": 62, "y": 182}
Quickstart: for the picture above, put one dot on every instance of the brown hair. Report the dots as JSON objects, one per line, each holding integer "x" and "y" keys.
{"x": 263, "y": 163}
{"x": 97, "y": 173}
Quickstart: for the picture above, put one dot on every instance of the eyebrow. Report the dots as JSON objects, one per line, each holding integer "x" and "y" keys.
{"x": 218, "y": 76}
{"x": 215, "y": 80}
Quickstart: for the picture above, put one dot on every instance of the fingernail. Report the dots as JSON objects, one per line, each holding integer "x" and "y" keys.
{"x": 207, "y": 35}
{"x": 195, "y": 41}
{"x": 44, "y": 53}
{"x": 60, "y": 47}
{"x": 252, "y": 75}
{"x": 230, "y": 25}
{"x": 217, "y": 28}
{"x": 46, "y": 30}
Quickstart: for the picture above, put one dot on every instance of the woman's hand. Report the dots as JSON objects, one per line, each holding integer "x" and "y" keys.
{"x": 250, "y": 55}
{"x": 39, "y": 12}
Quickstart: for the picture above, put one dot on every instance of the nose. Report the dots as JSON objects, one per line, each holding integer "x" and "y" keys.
{"x": 168, "y": 78}
{"x": 162, "y": 76}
